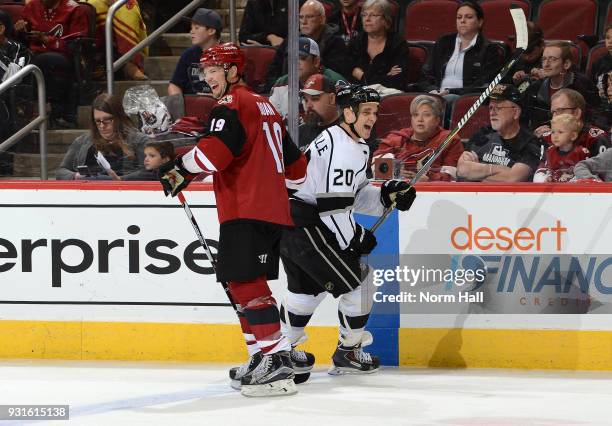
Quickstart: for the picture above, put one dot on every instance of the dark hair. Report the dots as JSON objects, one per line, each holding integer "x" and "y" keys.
{"x": 165, "y": 148}
{"x": 475, "y": 6}
{"x": 7, "y": 22}
{"x": 112, "y": 105}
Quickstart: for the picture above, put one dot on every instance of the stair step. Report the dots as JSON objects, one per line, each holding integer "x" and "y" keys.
{"x": 58, "y": 141}
{"x": 160, "y": 86}
{"x": 26, "y": 164}
{"x": 160, "y": 67}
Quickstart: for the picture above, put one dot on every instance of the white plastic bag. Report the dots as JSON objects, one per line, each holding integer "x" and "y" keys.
{"x": 153, "y": 115}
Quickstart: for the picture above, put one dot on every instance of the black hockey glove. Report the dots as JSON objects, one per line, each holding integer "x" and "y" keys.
{"x": 398, "y": 192}
{"x": 174, "y": 177}
{"x": 363, "y": 241}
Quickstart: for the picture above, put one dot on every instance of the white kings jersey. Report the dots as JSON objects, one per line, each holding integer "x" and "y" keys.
{"x": 336, "y": 182}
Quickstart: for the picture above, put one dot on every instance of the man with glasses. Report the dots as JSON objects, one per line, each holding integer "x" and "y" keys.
{"x": 313, "y": 25}
{"x": 503, "y": 151}
{"x": 568, "y": 101}
{"x": 558, "y": 72}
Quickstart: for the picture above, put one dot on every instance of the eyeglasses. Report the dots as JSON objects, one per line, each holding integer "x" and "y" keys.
{"x": 307, "y": 17}
{"x": 104, "y": 121}
{"x": 370, "y": 15}
{"x": 552, "y": 59}
{"x": 494, "y": 108}
{"x": 561, "y": 110}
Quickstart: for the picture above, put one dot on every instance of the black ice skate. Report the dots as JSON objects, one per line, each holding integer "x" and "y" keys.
{"x": 353, "y": 361}
{"x": 273, "y": 376}
{"x": 302, "y": 361}
{"x": 236, "y": 373}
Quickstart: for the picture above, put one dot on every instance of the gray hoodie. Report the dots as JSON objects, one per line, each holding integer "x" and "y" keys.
{"x": 599, "y": 166}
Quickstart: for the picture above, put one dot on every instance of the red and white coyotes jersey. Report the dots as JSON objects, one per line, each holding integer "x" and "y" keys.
{"x": 592, "y": 138}
{"x": 250, "y": 153}
{"x": 559, "y": 166}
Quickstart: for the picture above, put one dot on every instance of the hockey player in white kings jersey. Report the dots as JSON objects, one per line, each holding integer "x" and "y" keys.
{"x": 322, "y": 253}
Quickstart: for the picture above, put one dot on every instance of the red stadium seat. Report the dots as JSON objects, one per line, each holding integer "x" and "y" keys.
{"x": 594, "y": 54}
{"x": 417, "y": 56}
{"x": 258, "y": 59}
{"x": 479, "y": 120}
{"x": 498, "y": 21}
{"x": 394, "y": 113}
{"x": 14, "y": 9}
{"x": 199, "y": 106}
{"x": 429, "y": 19}
{"x": 567, "y": 19}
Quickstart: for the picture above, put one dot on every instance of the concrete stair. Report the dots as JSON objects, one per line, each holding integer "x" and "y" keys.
{"x": 165, "y": 53}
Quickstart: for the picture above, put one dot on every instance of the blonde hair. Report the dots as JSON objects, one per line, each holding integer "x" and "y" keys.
{"x": 569, "y": 121}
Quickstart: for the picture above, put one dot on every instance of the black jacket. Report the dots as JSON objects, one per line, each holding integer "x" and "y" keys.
{"x": 481, "y": 63}
{"x": 537, "y": 96}
{"x": 375, "y": 70}
{"x": 336, "y": 19}
{"x": 333, "y": 56}
{"x": 263, "y": 17}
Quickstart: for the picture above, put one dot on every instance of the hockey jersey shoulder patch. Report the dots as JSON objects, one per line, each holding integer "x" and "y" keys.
{"x": 595, "y": 132}
{"x": 226, "y": 100}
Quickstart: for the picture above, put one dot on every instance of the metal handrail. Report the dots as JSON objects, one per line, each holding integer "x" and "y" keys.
{"x": 112, "y": 67}
{"x": 40, "y": 121}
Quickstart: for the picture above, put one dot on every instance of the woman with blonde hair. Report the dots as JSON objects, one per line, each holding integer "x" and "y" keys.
{"x": 113, "y": 147}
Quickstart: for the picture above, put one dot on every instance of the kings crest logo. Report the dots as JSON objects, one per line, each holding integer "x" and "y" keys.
{"x": 226, "y": 100}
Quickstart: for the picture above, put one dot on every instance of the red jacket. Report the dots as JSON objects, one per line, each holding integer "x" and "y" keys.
{"x": 592, "y": 138}
{"x": 64, "y": 22}
{"x": 249, "y": 152}
{"x": 415, "y": 154}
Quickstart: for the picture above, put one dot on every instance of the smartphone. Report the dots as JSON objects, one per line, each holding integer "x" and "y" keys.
{"x": 84, "y": 171}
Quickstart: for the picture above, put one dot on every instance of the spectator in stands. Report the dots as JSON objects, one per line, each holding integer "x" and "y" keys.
{"x": 49, "y": 25}
{"x": 602, "y": 69}
{"x": 464, "y": 61}
{"x": 264, "y": 23}
{"x": 332, "y": 50}
{"x": 415, "y": 144}
{"x": 558, "y": 74}
{"x": 156, "y": 153}
{"x": 310, "y": 64}
{"x": 568, "y": 101}
{"x": 11, "y": 52}
{"x": 205, "y": 32}
{"x": 598, "y": 168}
{"x": 348, "y": 20}
{"x": 378, "y": 55}
{"x": 112, "y": 145}
{"x": 503, "y": 151}
{"x": 564, "y": 153}
{"x": 320, "y": 109}
{"x": 129, "y": 29}
{"x": 529, "y": 66}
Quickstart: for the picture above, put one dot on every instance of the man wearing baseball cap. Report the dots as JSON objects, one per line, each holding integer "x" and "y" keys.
{"x": 320, "y": 110}
{"x": 205, "y": 32}
{"x": 309, "y": 64}
{"x": 503, "y": 151}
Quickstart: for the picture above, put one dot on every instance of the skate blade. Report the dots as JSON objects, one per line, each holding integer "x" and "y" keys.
{"x": 301, "y": 377}
{"x": 235, "y": 384}
{"x": 340, "y": 371}
{"x": 302, "y": 370}
{"x": 283, "y": 387}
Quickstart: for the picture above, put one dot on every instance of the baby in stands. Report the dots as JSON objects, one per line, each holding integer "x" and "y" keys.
{"x": 564, "y": 153}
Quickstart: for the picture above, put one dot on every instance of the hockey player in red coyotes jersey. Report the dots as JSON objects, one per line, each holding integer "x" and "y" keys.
{"x": 251, "y": 157}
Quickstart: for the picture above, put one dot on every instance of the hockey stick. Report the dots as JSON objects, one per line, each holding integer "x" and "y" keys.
{"x": 520, "y": 26}
{"x": 204, "y": 244}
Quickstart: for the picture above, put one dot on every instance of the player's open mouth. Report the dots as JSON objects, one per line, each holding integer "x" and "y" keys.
{"x": 367, "y": 127}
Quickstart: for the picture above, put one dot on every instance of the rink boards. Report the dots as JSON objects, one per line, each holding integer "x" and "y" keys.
{"x": 106, "y": 271}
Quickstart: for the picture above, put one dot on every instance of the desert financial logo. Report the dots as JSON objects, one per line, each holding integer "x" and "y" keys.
{"x": 164, "y": 256}
{"x": 501, "y": 253}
